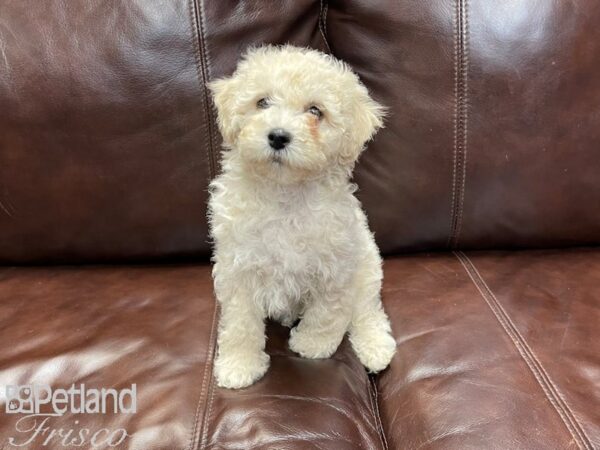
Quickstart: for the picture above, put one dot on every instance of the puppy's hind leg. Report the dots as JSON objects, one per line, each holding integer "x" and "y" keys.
{"x": 370, "y": 331}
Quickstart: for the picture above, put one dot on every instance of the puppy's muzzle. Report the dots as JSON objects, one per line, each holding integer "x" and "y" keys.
{"x": 279, "y": 138}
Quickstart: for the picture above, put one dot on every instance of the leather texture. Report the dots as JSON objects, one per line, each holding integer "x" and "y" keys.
{"x": 111, "y": 327}
{"x": 107, "y": 140}
{"x": 300, "y": 404}
{"x": 492, "y": 140}
{"x": 155, "y": 327}
{"x": 107, "y": 144}
{"x": 495, "y": 350}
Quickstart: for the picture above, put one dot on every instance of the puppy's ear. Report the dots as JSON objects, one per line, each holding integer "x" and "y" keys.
{"x": 366, "y": 119}
{"x": 224, "y": 97}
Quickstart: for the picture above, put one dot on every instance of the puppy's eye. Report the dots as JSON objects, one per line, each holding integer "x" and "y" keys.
{"x": 315, "y": 111}
{"x": 263, "y": 103}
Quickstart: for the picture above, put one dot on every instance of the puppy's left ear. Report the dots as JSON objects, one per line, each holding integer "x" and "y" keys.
{"x": 224, "y": 97}
{"x": 367, "y": 118}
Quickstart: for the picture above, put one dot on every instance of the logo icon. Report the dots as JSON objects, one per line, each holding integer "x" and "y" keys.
{"x": 22, "y": 399}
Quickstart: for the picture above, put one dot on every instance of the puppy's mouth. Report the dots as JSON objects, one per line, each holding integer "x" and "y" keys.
{"x": 276, "y": 158}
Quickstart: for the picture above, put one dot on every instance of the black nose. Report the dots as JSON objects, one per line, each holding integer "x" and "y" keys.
{"x": 279, "y": 138}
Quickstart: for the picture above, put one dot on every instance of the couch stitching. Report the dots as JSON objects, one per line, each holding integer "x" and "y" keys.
{"x": 455, "y": 123}
{"x": 465, "y": 107}
{"x": 208, "y": 415}
{"x": 369, "y": 390}
{"x": 207, "y": 367}
{"x": 565, "y": 405}
{"x": 210, "y": 357}
{"x": 370, "y": 397}
{"x": 375, "y": 407}
{"x": 459, "y": 158}
{"x": 200, "y": 57}
{"x": 207, "y": 59}
{"x": 324, "y": 8}
{"x": 211, "y": 387}
{"x": 541, "y": 375}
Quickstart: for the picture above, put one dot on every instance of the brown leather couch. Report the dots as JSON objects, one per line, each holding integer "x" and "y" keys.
{"x": 483, "y": 192}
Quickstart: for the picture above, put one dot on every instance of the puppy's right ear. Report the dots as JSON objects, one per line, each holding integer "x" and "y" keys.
{"x": 224, "y": 97}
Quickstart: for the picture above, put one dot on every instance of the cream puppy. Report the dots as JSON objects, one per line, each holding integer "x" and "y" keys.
{"x": 290, "y": 239}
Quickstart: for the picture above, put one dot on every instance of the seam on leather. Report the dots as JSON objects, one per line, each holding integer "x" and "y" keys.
{"x": 199, "y": 433}
{"x": 375, "y": 407}
{"x": 200, "y": 56}
{"x": 211, "y": 380}
{"x": 461, "y": 92}
{"x": 549, "y": 388}
{"x": 465, "y": 107}
{"x": 212, "y": 111}
{"x": 324, "y": 8}
{"x": 211, "y": 389}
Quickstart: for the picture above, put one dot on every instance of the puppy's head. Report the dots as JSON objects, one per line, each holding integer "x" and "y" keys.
{"x": 290, "y": 113}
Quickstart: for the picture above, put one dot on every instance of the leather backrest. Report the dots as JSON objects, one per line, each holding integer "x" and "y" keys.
{"x": 493, "y": 140}
{"x": 107, "y": 140}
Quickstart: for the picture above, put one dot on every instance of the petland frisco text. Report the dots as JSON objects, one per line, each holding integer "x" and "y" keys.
{"x": 40, "y": 404}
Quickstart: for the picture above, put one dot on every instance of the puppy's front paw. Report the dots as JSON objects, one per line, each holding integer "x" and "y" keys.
{"x": 238, "y": 370}
{"x": 313, "y": 345}
{"x": 374, "y": 350}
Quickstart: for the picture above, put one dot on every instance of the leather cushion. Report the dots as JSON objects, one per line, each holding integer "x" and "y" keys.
{"x": 495, "y": 350}
{"x": 109, "y": 327}
{"x": 107, "y": 140}
{"x": 492, "y": 140}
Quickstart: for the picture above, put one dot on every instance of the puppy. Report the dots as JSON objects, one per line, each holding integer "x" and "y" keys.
{"x": 290, "y": 239}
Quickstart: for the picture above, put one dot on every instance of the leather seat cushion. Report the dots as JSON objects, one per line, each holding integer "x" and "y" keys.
{"x": 495, "y": 350}
{"x": 109, "y": 327}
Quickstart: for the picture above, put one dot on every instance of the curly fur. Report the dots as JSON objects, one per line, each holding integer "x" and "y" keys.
{"x": 290, "y": 238}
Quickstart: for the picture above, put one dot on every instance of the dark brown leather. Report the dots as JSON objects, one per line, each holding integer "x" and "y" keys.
{"x": 493, "y": 138}
{"x": 495, "y": 350}
{"x": 300, "y": 404}
{"x": 107, "y": 142}
{"x": 111, "y": 327}
{"x": 155, "y": 327}
{"x": 106, "y": 137}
